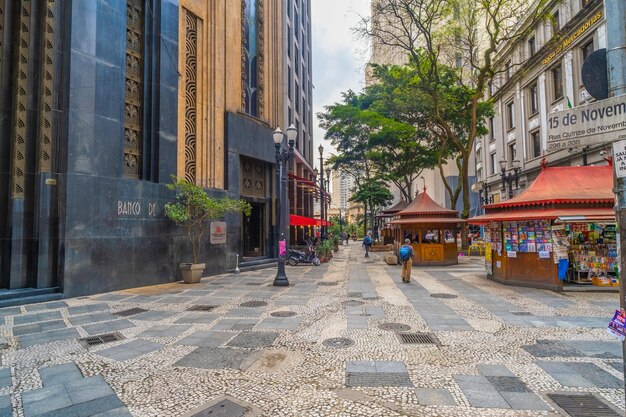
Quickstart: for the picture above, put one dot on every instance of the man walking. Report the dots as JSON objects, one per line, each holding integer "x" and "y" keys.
{"x": 406, "y": 257}
{"x": 367, "y": 243}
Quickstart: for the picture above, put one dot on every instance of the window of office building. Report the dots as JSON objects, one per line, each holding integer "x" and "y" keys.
{"x": 557, "y": 82}
{"x": 587, "y": 49}
{"x": 512, "y": 153}
{"x": 492, "y": 134}
{"x": 494, "y": 163}
{"x": 556, "y": 21}
{"x": 510, "y": 115}
{"x": 532, "y": 46}
{"x": 533, "y": 99}
{"x": 508, "y": 71}
{"x": 252, "y": 49}
{"x": 535, "y": 143}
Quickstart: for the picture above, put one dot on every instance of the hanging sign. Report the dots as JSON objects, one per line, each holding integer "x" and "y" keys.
{"x": 218, "y": 233}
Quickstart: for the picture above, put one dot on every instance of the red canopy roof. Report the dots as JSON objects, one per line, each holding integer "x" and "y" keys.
{"x": 573, "y": 214}
{"x": 580, "y": 184}
{"x": 424, "y": 205}
{"x": 295, "y": 220}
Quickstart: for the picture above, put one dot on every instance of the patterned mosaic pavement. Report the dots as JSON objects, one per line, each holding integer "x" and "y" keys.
{"x": 347, "y": 338}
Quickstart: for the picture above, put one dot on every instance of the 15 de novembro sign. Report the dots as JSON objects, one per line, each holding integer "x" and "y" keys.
{"x": 600, "y": 122}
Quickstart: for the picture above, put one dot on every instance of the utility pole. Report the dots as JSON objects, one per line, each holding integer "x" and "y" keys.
{"x": 615, "y": 12}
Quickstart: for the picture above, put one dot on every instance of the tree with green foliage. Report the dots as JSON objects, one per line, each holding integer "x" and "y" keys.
{"x": 193, "y": 209}
{"x": 436, "y": 34}
{"x": 373, "y": 194}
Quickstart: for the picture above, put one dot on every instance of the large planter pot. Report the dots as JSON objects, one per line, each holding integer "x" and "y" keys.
{"x": 192, "y": 273}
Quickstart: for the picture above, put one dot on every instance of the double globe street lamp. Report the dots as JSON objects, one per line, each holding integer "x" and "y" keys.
{"x": 508, "y": 179}
{"x": 283, "y": 156}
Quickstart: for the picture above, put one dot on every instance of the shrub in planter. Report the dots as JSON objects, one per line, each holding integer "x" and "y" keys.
{"x": 335, "y": 243}
{"x": 193, "y": 209}
{"x": 324, "y": 250}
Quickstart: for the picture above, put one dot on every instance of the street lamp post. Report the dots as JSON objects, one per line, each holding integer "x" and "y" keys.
{"x": 283, "y": 155}
{"x": 327, "y": 183}
{"x": 507, "y": 179}
{"x": 322, "y": 199}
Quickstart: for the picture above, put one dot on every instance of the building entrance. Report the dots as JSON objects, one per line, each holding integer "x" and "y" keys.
{"x": 253, "y": 231}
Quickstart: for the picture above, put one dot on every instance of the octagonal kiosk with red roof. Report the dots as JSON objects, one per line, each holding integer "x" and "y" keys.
{"x": 432, "y": 230}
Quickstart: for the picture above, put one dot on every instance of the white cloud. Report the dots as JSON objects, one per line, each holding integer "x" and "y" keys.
{"x": 339, "y": 56}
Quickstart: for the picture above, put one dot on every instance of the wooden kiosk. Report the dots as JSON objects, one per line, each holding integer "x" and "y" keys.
{"x": 431, "y": 229}
{"x": 385, "y": 217}
{"x": 555, "y": 218}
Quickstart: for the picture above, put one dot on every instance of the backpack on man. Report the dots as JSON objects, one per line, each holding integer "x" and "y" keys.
{"x": 405, "y": 253}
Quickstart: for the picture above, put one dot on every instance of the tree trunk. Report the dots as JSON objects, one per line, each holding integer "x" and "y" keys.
{"x": 466, "y": 199}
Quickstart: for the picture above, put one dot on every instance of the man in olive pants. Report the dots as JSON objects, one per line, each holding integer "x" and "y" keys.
{"x": 406, "y": 257}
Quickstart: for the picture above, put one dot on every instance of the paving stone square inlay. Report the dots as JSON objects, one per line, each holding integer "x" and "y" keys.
{"x": 443, "y": 295}
{"x": 508, "y": 384}
{"x": 201, "y": 308}
{"x": 218, "y": 358}
{"x": 327, "y": 284}
{"x": 253, "y": 340}
{"x": 338, "y": 342}
{"x": 377, "y": 374}
{"x": 253, "y": 304}
{"x": 225, "y": 408}
{"x": 130, "y": 312}
{"x": 394, "y": 327}
{"x": 353, "y": 303}
{"x": 283, "y": 314}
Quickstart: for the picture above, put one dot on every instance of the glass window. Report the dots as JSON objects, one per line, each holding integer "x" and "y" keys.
{"x": 556, "y": 21}
{"x": 587, "y": 49}
{"x": 508, "y": 71}
{"x": 532, "y": 46}
{"x": 533, "y": 99}
{"x": 535, "y": 139}
{"x": 494, "y": 163}
{"x": 250, "y": 58}
{"x": 510, "y": 115}
{"x": 512, "y": 153}
{"x": 448, "y": 236}
{"x": 492, "y": 134}
{"x": 557, "y": 82}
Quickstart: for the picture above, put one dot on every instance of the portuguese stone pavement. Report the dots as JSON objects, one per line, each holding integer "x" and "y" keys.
{"x": 347, "y": 338}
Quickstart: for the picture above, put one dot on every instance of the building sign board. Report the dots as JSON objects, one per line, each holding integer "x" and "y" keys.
{"x": 619, "y": 158}
{"x": 565, "y": 43}
{"x": 218, "y": 233}
{"x": 599, "y": 122}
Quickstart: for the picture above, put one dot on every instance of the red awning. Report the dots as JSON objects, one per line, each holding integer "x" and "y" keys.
{"x": 565, "y": 185}
{"x": 295, "y": 220}
{"x": 565, "y": 214}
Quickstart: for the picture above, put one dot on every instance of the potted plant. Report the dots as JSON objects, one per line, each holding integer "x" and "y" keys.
{"x": 335, "y": 243}
{"x": 193, "y": 209}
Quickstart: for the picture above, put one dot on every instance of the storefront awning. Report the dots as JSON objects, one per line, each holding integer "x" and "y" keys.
{"x": 295, "y": 220}
{"x": 565, "y": 214}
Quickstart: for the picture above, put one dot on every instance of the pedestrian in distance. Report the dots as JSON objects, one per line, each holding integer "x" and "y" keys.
{"x": 367, "y": 244}
{"x": 406, "y": 257}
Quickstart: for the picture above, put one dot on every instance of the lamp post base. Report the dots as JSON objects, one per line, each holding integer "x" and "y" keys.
{"x": 281, "y": 277}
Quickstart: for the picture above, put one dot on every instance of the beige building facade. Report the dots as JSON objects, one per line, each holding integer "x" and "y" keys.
{"x": 541, "y": 75}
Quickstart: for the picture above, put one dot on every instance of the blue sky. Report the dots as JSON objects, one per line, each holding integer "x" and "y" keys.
{"x": 339, "y": 57}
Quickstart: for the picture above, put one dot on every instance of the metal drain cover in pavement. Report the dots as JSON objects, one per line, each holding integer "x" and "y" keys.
{"x": 338, "y": 342}
{"x": 394, "y": 327}
{"x": 283, "y": 314}
{"x": 417, "y": 338}
{"x": 100, "y": 339}
{"x": 327, "y": 284}
{"x": 443, "y": 295}
{"x": 224, "y": 408}
{"x": 130, "y": 312}
{"x": 253, "y": 304}
{"x": 583, "y": 405}
{"x": 352, "y": 303}
{"x": 201, "y": 308}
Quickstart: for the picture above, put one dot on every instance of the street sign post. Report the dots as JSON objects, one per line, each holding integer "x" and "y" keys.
{"x": 599, "y": 122}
